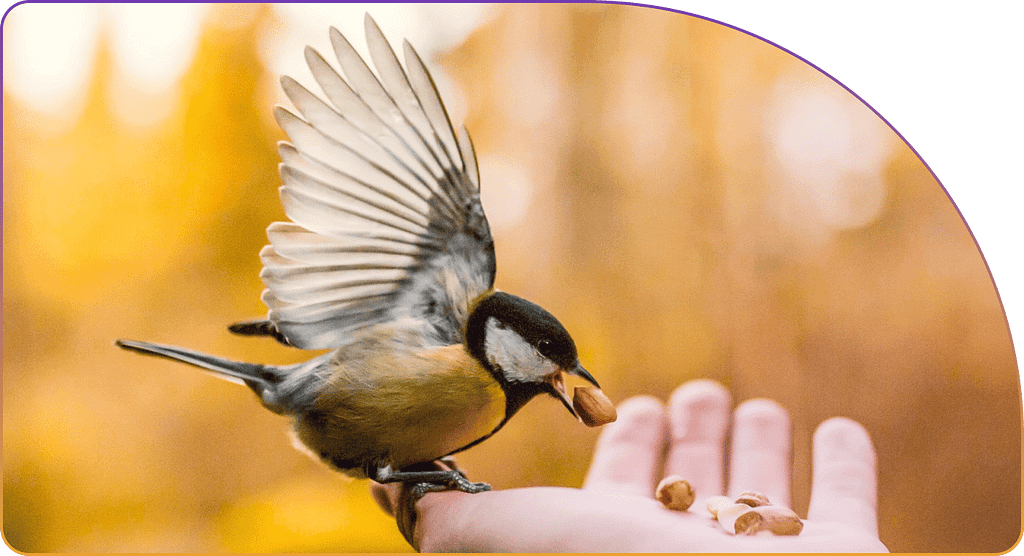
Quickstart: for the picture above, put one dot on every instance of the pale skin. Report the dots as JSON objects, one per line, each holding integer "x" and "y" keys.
{"x": 615, "y": 510}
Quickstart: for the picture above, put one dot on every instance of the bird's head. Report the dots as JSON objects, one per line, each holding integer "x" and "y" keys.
{"x": 525, "y": 348}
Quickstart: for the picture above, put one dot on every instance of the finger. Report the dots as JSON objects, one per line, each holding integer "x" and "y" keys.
{"x": 761, "y": 456}
{"x": 844, "y": 486}
{"x": 398, "y": 500}
{"x": 394, "y": 499}
{"x": 698, "y": 413}
{"x": 629, "y": 451}
{"x": 385, "y": 497}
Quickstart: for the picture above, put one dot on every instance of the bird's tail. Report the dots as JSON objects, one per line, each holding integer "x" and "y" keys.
{"x": 255, "y": 376}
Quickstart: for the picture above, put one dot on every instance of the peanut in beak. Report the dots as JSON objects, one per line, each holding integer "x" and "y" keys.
{"x": 593, "y": 407}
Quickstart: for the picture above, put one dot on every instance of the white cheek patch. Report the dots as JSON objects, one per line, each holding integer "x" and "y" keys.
{"x": 517, "y": 358}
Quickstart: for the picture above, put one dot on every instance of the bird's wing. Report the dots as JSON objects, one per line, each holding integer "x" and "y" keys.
{"x": 384, "y": 203}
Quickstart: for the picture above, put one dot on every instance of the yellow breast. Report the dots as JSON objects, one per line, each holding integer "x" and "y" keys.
{"x": 453, "y": 404}
{"x": 413, "y": 409}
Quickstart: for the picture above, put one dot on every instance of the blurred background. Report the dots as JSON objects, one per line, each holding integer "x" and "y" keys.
{"x": 690, "y": 201}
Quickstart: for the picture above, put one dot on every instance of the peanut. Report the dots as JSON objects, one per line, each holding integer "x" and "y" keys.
{"x": 779, "y": 520}
{"x": 675, "y": 493}
{"x": 753, "y": 499}
{"x": 715, "y": 503}
{"x": 739, "y": 519}
{"x": 593, "y": 407}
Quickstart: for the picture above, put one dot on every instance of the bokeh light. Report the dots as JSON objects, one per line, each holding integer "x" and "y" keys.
{"x": 49, "y": 54}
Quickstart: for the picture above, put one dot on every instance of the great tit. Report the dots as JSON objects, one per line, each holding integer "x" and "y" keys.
{"x": 389, "y": 261}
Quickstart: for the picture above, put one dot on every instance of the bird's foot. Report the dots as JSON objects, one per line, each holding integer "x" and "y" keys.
{"x": 431, "y": 477}
{"x": 420, "y": 480}
{"x": 467, "y": 486}
{"x": 453, "y": 480}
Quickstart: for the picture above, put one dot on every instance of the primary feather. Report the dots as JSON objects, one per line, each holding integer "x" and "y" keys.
{"x": 383, "y": 198}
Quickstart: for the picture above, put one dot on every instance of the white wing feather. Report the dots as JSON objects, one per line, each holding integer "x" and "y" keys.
{"x": 384, "y": 203}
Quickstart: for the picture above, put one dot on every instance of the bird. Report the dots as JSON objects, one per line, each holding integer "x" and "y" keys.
{"x": 389, "y": 263}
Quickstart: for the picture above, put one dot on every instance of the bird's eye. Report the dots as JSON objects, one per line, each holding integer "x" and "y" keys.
{"x": 499, "y": 325}
{"x": 544, "y": 347}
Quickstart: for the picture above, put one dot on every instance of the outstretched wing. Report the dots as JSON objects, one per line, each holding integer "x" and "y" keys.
{"x": 384, "y": 203}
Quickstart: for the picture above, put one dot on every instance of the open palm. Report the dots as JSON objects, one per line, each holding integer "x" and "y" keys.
{"x": 615, "y": 511}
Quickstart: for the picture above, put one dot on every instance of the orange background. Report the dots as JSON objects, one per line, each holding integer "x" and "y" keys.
{"x": 662, "y": 229}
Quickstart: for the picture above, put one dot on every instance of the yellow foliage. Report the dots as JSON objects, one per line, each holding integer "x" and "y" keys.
{"x": 669, "y": 224}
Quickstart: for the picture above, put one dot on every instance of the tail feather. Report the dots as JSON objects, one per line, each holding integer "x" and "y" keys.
{"x": 247, "y": 373}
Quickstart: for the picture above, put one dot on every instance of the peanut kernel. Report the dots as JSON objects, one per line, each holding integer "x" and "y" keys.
{"x": 675, "y": 493}
{"x": 593, "y": 407}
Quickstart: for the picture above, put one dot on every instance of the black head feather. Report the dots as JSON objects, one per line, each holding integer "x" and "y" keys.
{"x": 534, "y": 324}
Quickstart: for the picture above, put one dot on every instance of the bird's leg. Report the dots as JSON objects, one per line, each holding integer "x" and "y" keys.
{"x": 425, "y": 481}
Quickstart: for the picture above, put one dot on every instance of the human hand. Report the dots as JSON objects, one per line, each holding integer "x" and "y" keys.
{"x": 615, "y": 511}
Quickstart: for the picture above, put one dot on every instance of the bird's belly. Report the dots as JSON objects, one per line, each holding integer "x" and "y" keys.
{"x": 428, "y": 435}
{"x": 403, "y": 421}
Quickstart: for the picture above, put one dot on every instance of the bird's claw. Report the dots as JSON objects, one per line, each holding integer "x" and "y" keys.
{"x": 457, "y": 481}
{"x": 419, "y": 490}
{"x": 460, "y": 482}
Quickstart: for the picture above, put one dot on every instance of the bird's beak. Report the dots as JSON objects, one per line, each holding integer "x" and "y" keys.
{"x": 557, "y": 383}
{"x": 582, "y": 373}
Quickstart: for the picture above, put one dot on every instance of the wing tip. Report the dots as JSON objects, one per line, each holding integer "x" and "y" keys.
{"x": 338, "y": 38}
{"x": 369, "y": 22}
{"x": 336, "y": 80}
{"x": 313, "y": 58}
{"x": 281, "y": 115}
{"x": 288, "y": 81}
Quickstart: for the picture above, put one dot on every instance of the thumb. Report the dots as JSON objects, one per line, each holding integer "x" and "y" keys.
{"x": 399, "y": 501}
{"x": 396, "y": 501}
